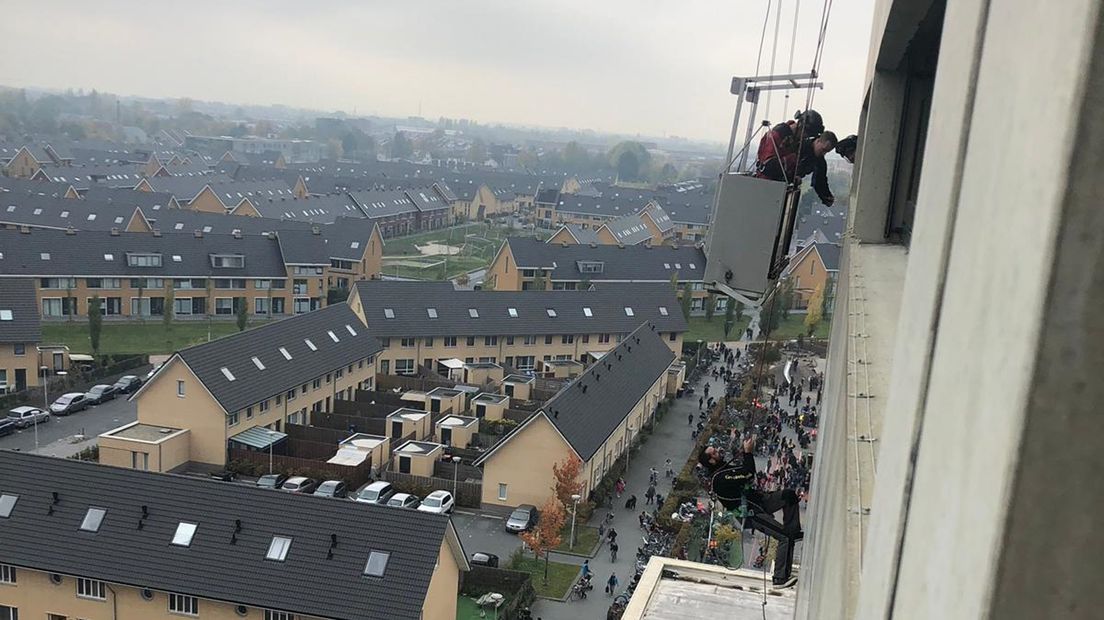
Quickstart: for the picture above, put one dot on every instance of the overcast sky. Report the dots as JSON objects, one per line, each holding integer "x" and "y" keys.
{"x": 653, "y": 67}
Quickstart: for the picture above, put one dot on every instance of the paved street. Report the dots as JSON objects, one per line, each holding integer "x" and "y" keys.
{"x": 670, "y": 440}
{"x": 56, "y": 436}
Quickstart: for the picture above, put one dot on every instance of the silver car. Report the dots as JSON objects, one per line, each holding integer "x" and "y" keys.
{"x": 25, "y": 417}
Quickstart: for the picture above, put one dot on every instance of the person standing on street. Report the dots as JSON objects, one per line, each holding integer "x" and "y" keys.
{"x": 690, "y": 419}
{"x": 649, "y": 495}
{"x": 613, "y": 552}
{"x": 612, "y": 535}
{"x": 611, "y": 584}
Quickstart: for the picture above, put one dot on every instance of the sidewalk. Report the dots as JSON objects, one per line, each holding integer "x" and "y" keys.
{"x": 669, "y": 440}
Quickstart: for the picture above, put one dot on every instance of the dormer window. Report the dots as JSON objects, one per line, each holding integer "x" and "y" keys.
{"x": 136, "y": 259}
{"x": 228, "y": 261}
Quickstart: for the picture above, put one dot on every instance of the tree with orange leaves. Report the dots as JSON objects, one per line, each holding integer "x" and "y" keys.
{"x": 545, "y": 535}
{"x": 567, "y": 483}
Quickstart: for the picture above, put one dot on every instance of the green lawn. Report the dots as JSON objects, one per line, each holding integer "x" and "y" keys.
{"x": 586, "y": 539}
{"x": 794, "y": 324}
{"x": 560, "y": 576}
{"x": 713, "y": 331}
{"x": 148, "y": 337}
{"x": 400, "y": 246}
{"x": 479, "y": 242}
{"x": 436, "y": 268}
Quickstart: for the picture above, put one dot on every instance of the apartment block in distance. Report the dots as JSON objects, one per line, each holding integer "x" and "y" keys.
{"x": 420, "y": 324}
{"x": 83, "y": 540}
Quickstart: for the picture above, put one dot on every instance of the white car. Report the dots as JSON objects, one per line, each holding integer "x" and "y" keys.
{"x": 439, "y": 502}
{"x": 26, "y": 417}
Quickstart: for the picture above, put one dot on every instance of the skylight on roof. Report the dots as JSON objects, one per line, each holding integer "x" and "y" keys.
{"x": 663, "y": 310}
{"x": 666, "y": 265}
{"x": 629, "y": 311}
{"x": 44, "y": 256}
{"x": 310, "y": 344}
{"x": 5, "y": 315}
{"x": 389, "y": 313}
{"x": 278, "y": 548}
{"x": 176, "y": 258}
{"x": 226, "y": 373}
{"x": 377, "y": 563}
{"x": 333, "y": 336}
{"x": 257, "y": 362}
{"x": 512, "y": 312}
{"x": 178, "y": 226}
{"x": 352, "y": 332}
{"x": 473, "y": 313}
{"x": 432, "y": 312}
{"x": 92, "y": 519}
{"x": 7, "y": 504}
{"x": 692, "y": 266}
{"x": 551, "y": 312}
{"x": 184, "y": 533}
{"x": 587, "y": 312}
{"x": 285, "y": 353}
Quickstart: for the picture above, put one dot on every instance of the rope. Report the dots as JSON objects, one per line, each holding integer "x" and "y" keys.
{"x": 763, "y": 37}
{"x": 774, "y": 51}
{"x": 793, "y": 47}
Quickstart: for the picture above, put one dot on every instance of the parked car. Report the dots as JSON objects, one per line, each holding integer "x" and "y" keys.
{"x": 25, "y": 417}
{"x": 127, "y": 384}
{"x": 481, "y": 558}
{"x": 300, "y": 484}
{"x": 271, "y": 481}
{"x": 7, "y": 426}
{"x": 523, "y": 518}
{"x": 404, "y": 500}
{"x": 69, "y": 403}
{"x": 378, "y": 492}
{"x": 101, "y": 393}
{"x": 332, "y": 488}
{"x": 439, "y": 502}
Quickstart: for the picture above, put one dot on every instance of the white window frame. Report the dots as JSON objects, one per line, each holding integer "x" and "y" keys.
{"x": 93, "y": 589}
{"x": 183, "y": 604}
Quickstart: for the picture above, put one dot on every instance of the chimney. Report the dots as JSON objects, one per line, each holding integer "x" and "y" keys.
{"x": 70, "y": 231}
{"x": 156, "y": 232}
{"x": 114, "y": 232}
{"x": 26, "y": 230}
{"x": 198, "y": 234}
{"x": 621, "y": 246}
{"x": 593, "y": 245}
{"x": 315, "y": 230}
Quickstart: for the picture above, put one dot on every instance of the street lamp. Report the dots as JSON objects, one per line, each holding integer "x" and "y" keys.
{"x": 455, "y": 468}
{"x": 628, "y": 446}
{"x": 574, "y": 505}
{"x": 45, "y": 402}
{"x": 271, "y": 442}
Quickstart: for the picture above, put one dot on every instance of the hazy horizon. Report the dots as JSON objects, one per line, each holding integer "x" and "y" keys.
{"x": 540, "y": 64}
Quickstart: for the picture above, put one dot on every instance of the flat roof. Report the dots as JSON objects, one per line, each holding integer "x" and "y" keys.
{"x": 482, "y": 365}
{"x": 562, "y": 363}
{"x": 489, "y": 397}
{"x": 444, "y": 392}
{"x": 410, "y": 414}
{"x": 362, "y": 441}
{"x": 673, "y": 589}
{"x": 515, "y": 378}
{"x": 419, "y": 447}
{"x": 144, "y": 432}
{"x": 457, "y": 420}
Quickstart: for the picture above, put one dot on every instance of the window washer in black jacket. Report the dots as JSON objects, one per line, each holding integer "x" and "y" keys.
{"x": 734, "y": 481}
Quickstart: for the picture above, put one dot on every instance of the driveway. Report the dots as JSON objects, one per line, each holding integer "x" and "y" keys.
{"x": 485, "y": 533}
{"x": 56, "y": 436}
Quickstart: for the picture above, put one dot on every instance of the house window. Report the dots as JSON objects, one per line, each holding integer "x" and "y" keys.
{"x": 450, "y": 341}
{"x": 404, "y": 367}
{"x": 9, "y": 613}
{"x": 377, "y": 563}
{"x": 180, "y": 389}
{"x": 7, "y": 574}
{"x": 278, "y": 615}
{"x": 490, "y": 341}
{"x": 139, "y": 461}
{"x": 406, "y": 342}
{"x": 529, "y": 341}
{"x": 232, "y": 419}
{"x": 603, "y": 338}
{"x": 228, "y": 261}
{"x": 567, "y": 339}
{"x": 181, "y": 604}
{"x": 135, "y": 259}
{"x": 90, "y": 588}
{"x": 19, "y": 348}
{"x": 501, "y": 491}
{"x": 548, "y": 339}
{"x": 471, "y": 341}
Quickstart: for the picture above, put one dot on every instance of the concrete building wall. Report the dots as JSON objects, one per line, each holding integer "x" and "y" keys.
{"x": 981, "y": 505}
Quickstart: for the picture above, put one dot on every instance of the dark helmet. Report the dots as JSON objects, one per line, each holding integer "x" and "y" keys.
{"x": 846, "y": 147}
{"x": 812, "y": 122}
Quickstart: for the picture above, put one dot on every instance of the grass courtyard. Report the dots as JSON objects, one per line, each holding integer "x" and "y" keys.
{"x": 478, "y": 243}
{"x": 148, "y": 337}
{"x": 560, "y": 576}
